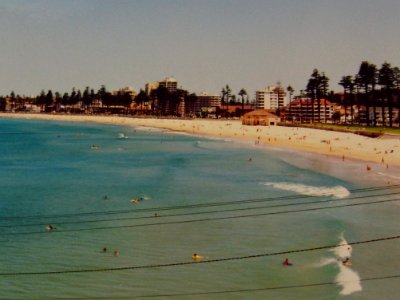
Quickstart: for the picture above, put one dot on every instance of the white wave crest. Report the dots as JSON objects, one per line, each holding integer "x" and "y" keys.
{"x": 326, "y": 261}
{"x": 388, "y": 175}
{"x": 336, "y": 191}
{"x": 349, "y": 280}
{"x": 343, "y": 250}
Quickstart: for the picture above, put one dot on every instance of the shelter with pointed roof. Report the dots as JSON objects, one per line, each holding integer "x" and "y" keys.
{"x": 260, "y": 117}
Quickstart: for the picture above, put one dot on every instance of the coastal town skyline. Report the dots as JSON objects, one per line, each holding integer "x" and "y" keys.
{"x": 63, "y": 44}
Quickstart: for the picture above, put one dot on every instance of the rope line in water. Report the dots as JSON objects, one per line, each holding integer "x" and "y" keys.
{"x": 201, "y": 220}
{"x": 208, "y": 204}
{"x": 282, "y": 287}
{"x": 198, "y": 262}
{"x": 198, "y": 213}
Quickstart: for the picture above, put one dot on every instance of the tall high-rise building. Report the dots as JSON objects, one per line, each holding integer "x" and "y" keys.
{"x": 272, "y": 98}
{"x": 170, "y": 83}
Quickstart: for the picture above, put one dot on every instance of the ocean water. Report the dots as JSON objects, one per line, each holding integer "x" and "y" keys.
{"x": 242, "y": 208}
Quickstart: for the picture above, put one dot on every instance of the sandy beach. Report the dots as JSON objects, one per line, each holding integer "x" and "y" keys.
{"x": 382, "y": 153}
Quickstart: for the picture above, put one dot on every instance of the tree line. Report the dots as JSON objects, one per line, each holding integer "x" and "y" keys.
{"x": 371, "y": 89}
{"x": 162, "y": 101}
{"x": 375, "y": 91}
{"x": 159, "y": 102}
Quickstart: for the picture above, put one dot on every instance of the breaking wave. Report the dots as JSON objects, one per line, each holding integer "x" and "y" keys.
{"x": 387, "y": 175}
{"x": 343, "y": 249}
{"x": 347, "y": 278}
{"x": 336, "y": 191}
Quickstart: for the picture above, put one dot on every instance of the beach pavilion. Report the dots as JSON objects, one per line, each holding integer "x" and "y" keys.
{"x": 260, "y": 117}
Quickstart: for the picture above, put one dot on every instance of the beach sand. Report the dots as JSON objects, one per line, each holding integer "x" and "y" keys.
{"x": 375, "y": 154}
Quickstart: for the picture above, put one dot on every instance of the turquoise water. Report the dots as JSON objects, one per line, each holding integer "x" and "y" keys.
{"x": 81, "y": 177}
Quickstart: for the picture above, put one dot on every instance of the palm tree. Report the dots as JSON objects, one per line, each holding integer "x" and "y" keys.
{"x": 348, "y": 86}
{"x": 396, "y": 73}
{"x": 290, "y": 90}
{"x": 366, "y": 78}
{"x": 86, "y": 99}
{"x": 317, "y": 88}
{"x": 226, "y": 94}
{"x": 242, "y": 93}
{"x": 57, "y": 100}
{"x": 311, "y": 89}
{"x": 223, "y": 95}
{"x": 301, "y": 105}
{"x": 323, "y": 91}
{"x": 141, "y": 98}
{"x": 387, "y": 81}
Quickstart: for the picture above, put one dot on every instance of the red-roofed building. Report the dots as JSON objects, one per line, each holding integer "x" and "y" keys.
{"x": 260, "y": 117}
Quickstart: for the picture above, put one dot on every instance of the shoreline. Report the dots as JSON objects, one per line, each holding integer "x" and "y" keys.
{"x": 372, "y": 155}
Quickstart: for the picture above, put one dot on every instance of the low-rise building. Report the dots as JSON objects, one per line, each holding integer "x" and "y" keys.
{"x": 306, "y": 110}
{"x": 260, "y": 117}
{"x": 206, "y": 101}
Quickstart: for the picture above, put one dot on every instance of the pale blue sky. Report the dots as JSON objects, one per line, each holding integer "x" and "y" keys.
{"x": 204, "y": 44}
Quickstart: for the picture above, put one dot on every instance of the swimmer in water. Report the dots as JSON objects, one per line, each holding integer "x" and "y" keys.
{"x": 195, "y": 256}
{"x": 49, "y": 227}
{"x": 286, "y": 262}
{"x": 137, "y": 200}
{"x": 346, "y": 261}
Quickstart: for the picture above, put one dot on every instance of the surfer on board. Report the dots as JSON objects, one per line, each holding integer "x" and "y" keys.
{"x": 195, "y": 256}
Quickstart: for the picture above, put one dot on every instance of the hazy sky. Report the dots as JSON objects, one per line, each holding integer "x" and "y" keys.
{"x": 204, "y": 44}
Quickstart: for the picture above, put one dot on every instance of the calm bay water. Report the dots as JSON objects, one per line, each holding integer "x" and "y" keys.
{"x": 81, "y": 177}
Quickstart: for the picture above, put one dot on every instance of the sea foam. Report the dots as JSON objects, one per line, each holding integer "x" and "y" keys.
{"x": 347, "y": 278}
{"x": 343, "y": 250}
{"x": 335, "y": 191}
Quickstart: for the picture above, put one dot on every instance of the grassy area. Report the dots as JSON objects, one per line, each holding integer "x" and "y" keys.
{"x": 362, "y": 130}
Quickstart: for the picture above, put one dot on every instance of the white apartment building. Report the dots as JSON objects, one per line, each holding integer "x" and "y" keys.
{"x": 271, "y": 98}
{"x": 170, "y": 83}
